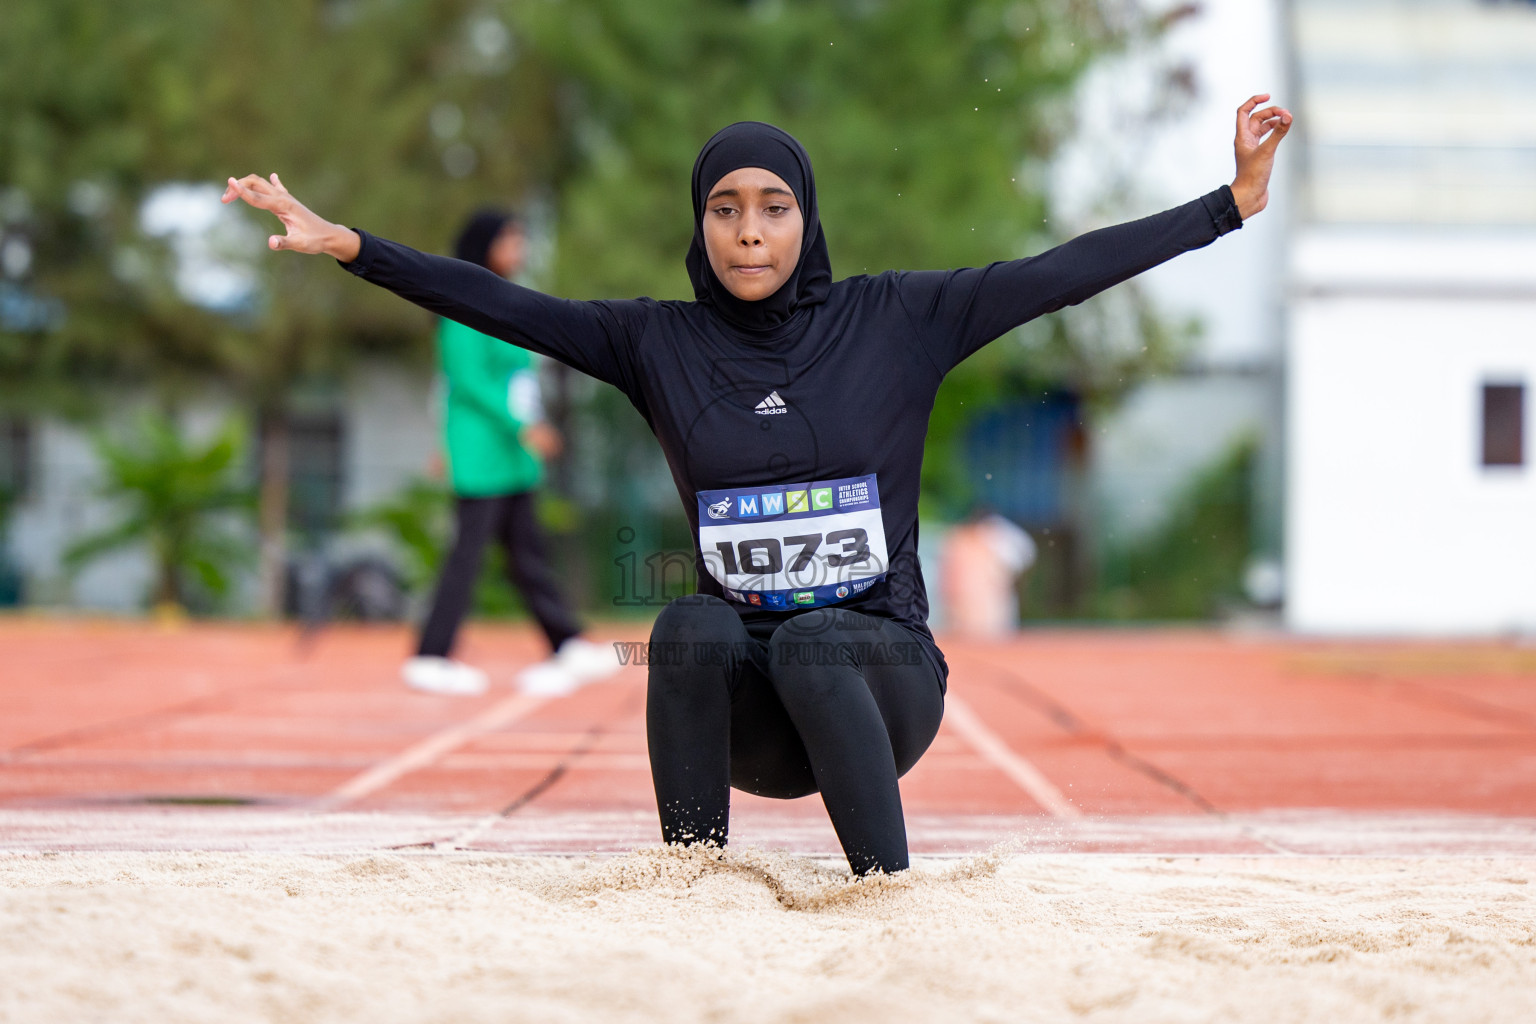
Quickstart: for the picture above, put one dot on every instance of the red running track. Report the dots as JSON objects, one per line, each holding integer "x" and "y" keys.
{"x": 122, "y": 735}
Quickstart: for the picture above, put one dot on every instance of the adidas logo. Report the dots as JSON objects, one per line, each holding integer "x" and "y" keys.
{"x": 773, "y": 405}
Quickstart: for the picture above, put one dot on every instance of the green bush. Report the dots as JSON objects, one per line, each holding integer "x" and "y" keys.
{"x": 1192, "y": 566}
{"x": 177, "y": 497}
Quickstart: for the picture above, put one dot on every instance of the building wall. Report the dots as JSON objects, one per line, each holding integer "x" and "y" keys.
{"x": 1412, "y": 284}
{"x": 392, "y": 436}
{"x": 60, "y": 508}
{"x": 1418, "y": 112}
{"x": 1394, "y": 525}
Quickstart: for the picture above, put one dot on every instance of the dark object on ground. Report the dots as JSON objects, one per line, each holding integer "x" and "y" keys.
{"x": 364, "y": 589}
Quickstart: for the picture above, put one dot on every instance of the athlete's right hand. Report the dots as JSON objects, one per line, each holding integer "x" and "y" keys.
{"x": 306, "y": 231}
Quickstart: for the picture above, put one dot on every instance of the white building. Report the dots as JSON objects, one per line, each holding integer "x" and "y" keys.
{"x": 1171, "y": 428}
{"x": 1411, "y": 494}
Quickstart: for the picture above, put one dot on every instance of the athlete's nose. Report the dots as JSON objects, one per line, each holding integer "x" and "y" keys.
{"x": 749, "y": 234}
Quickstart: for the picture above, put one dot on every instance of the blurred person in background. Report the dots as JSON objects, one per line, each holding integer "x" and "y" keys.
{"x": 496, "y": 441}
{"x": 979, "y": 571}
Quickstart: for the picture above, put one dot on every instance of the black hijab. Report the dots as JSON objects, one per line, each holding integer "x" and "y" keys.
{"x": 755, "y": 144}
{"x": 474, "y": 242}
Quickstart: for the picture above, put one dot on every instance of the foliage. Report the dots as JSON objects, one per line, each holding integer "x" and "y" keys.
{"x": 174, "y": 494}
{"x": 357, "y": 102}
{"x": 417, "y": 522}
{"x": 399, "y": 116}
{"x": 930, "y": 126}
{"x": 922, "y": 120}
{"x": 1192, "y": 566}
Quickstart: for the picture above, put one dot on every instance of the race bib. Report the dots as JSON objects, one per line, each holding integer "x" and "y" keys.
{"x": 794, "y": 545}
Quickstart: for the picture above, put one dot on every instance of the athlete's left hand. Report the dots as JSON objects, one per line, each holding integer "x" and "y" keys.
{"x": 1258, "y": 136}
{"x": 306, "y": 231}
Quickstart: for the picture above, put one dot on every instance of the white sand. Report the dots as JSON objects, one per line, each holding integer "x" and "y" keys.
{"x": 671, "y": 936}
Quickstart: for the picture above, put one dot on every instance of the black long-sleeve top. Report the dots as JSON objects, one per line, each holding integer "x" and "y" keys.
{"x": 856, "y": 376}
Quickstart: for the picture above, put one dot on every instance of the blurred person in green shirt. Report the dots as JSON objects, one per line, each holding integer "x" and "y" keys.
{"x": 496, "y": 441}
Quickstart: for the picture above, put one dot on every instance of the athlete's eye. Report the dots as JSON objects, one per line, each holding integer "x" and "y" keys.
{"x": 776, "y": 210}
{"x": 725, "y": 211}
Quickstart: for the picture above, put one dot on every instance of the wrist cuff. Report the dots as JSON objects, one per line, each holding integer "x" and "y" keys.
{"x": 365, "y": 249}
{"x": 1222, "y": 206}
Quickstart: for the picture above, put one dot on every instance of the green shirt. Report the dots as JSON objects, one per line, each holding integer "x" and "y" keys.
{"x": 492, "y": 393}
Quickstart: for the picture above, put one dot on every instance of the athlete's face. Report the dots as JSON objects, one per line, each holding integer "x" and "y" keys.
{"x": 752, "y": 231}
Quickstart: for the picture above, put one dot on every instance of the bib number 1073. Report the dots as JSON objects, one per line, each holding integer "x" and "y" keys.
{"x": 765, "y": 556}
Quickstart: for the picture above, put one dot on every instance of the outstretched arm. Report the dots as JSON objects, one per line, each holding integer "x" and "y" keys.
{"x": 596, "y": 338}
{"x": 957, "y": 312}
{"x": 306, "y": 231}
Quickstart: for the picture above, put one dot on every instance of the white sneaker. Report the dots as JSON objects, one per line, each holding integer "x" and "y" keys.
{"x": 431, "y": 674}
{"x": 586, "y": 660}
{"x": 547, "y": 679}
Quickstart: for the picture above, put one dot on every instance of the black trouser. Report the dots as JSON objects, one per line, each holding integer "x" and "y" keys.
{"x": 511, "y": 519}
{"x": 831, "y": 701}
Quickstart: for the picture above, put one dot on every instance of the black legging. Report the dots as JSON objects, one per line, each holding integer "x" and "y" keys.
{"x": 832, "y": 700}
{"x": 512, "y": 520}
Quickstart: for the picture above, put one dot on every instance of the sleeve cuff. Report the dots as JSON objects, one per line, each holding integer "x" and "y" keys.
{"x": 1222, "y": 207}
{"x": 365, "y": 254}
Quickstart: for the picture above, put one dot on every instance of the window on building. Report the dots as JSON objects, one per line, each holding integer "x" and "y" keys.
{"x": 1503, "y": 424}
{"x": 315, "y": 471}
{"x": 316, "y": 460}
{"x": 15, "y": 457}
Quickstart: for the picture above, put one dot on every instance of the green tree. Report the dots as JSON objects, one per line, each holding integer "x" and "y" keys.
{"x": 176, "y": 496}
{"x": 1191, "y": 565}
{"x": 931, "y": 126}
{"x": 400, "y": 116}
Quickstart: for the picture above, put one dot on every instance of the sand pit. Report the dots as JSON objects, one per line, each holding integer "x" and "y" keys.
{"x": 664, "y": 935}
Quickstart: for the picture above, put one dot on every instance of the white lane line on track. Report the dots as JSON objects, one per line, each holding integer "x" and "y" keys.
{"x": 1006, "y": 760}
{"x": 498, "y": 715}
{"x": 468, "y": 836}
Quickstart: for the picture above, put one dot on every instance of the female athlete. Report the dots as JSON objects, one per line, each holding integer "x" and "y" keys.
{"x": 791, "y": 410}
